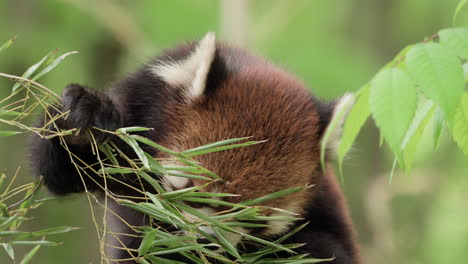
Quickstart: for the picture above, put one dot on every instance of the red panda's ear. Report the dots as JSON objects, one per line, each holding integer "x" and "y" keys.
{"x": 334, "y": 127}
{"x": 191, "y": 72}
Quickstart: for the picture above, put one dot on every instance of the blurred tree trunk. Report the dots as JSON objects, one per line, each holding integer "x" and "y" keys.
{"x": 235, "y": 21}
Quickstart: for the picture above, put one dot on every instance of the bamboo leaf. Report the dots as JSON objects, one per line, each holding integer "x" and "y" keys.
{"x": 31, "y": 70}
{"x": 7, "y": 44}
{"x": 52, "y": 65}
{"x": 28, "y": 257}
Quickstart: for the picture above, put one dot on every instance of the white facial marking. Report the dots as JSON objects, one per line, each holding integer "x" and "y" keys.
{"x": 193, "y": 71}
{"x": 176, "y": 182}
{"x": 280, "y": 226}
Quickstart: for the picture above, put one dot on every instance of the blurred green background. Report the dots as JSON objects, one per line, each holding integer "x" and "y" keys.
{"x": 335, "y": 46}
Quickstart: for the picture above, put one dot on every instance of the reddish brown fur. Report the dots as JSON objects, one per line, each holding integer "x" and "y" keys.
{"x": 265, "y": 103}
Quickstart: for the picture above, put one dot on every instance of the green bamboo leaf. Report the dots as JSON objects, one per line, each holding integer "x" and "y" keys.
{"x": 273, "y": 196}
{"x": 147, "y": 242}
{"x": 159, "y": 260}
{"x": 460, "y": 5}
{"x": 7, "y": 44}
{"x": 9, "y": 249}
{"x": 456, "y": 39}
{"x": 415, "y": 131}
{"x": 221, "y": 148}
{"x": 10, "y": 113}
{"x": 37, "y": 242}
{"x": 109, "y": 170}
{"x": 126, "y": 130}
{"x": 460, "y": 124}
{"x": 226, "y": 244}
{"x": 9, "y": 133}
{"x": 52, "y": 65}
{"x": 31, "y": 70}
{"x": 54, "y": 230}
{"x": 354, "y": 122}
{"x": 215, "y": 144}
{"x": 28, "y": 257}
{"x": 439, "y": 74}
{"x": 134, "y": 145}
{"x": 392, "y": 100}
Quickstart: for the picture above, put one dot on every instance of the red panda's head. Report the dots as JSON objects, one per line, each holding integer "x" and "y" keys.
{"x": 219, "y": 92}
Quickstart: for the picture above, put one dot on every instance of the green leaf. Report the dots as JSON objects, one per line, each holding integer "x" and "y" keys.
{"x": 460, "y": 5}
{"x": 147, "y": 242}
{"x": 10, "y": 113}
{"x": 28, "y": 257}
{"x": 7, "y": 44}
{"x": 9, "y": 249}
{"x": 439, "y": 74}
{"x": 134, "y": 145}
{"x": 460, "y": 124}
{"x": 392, "y": 101}
{"x": 125, "y": 130}
{"x": 456, "y": 39}
{"x": 31, "y": 70}
{"x": 354, "y": 122}
{"x": 438, "y": 126}
{"x": 9, "y": 133}
{"x": 54, "y": 230}
{"x": 272, "y": 196}
{"x": 52, "y": 65}
{"x": 465, "y": 71}
{"x": 415, "y": 131}
{"x": 37, "y": 242}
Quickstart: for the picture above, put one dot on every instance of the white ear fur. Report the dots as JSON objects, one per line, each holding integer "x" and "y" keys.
{"x": 192, "y": 72}
{"x": 340, "y": 112}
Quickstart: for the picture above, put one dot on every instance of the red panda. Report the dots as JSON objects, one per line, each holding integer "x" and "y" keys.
{"x": 200, "y": 93}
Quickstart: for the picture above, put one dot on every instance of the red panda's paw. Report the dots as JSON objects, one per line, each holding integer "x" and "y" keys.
{"x": 89, "y": 110}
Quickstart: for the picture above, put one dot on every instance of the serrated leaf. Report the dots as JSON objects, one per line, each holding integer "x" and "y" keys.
{"x": 354, "y": 122}
{"x": 439, "y": 121}
{"x": 439, "y": 74}
{"x": 460, "y": 124}
{"x": 415, "y": 131}
{"x": 392, "y": 101}
{"x": 456, "y": 39}
{"x": 465, "y": 71}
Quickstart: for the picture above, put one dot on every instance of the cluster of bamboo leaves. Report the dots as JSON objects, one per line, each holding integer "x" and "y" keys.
{"x": 424, "y": 84}
{"x": 169, "y": 208}
{"x": 165, "y": 208}
{"x": 15, "y": 204}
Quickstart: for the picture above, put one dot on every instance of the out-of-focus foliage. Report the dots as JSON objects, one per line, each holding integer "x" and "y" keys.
{"x": 15, "y": 204}
{"x": 335, "y": 46}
